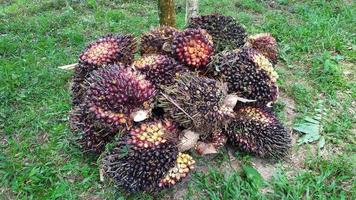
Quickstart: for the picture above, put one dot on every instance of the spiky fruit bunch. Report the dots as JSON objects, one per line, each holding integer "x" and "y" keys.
{"x": 256, "y": 130}
{"x": 227, "y": 33}
{"x": 91, "y": 139}
{"x": 193, "y": 47}
{"x": 183, "y": 166}
{"x": 196, "y": 103}
{"x": 81, "y": 72}
{"x": 158, "y": 41}
{"x": 116, "y": 92}
{"x": 138, "y": 167}
{"x": 159, "y": 69}
{"x": 247, "y": 74}
{"x": 266, "y": 44}
{"x": 108, "y": 50}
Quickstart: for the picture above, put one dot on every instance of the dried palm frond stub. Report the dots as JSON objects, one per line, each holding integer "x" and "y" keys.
{"x": 183, "y": 166}
{"x": 91, "y": 139}
{"x": 226, "y": 32}
{"x": 256, "y": 130}
{"x": 158, "y": 69}
{"x": 247, "y": 74}
{"x": 193, "y": 47}
{"x": 137, "y": 167}
{"x": 196, "y": 103}
{"x": 158, "y": 41}
{"x": 266, "y": 44}
{"x": 115, "y": 92}
{"x": 106, "y": 50}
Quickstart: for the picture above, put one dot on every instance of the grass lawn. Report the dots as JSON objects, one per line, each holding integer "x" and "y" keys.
{"x": 38, "y": 159}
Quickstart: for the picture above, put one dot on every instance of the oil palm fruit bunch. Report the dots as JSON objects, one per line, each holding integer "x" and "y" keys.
{"x": 158, "y": 69}
{"x": 256, "y": 130}
{"x": 248, "y": 74}
{"x": 106, "y": 50}
{"x": 193, "y": 47}
{"x": 266, "y": 44}
{"x": 259, "y": 59}
{"x": 91, "y": 139}
{"x": 196, "y": 103}
{"x": 158, "y": 41}
{"x": 200, "y": 87}
{"x": 226, "y": 32}
{"x": 115, "y": 93}
{"x": 183, "y": 166}
{"x": 141, "y": 159}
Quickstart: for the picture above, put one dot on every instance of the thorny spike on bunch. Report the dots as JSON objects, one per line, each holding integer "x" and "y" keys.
{"x": 256, "y": 130}
{"x": 193, "y": 47}
{"x": 183, "y": 166}
{"x": 138, "y": 167}
{"x": 226, "y": 32}
{"x": 158, "y": 69}
{"x": 91, "y": 139}
{"x": 106, "y": 50}
{"x": 266, "y": 44}
{"x": 158, "y": 41}
{"x": 115, "y": 92}
{"x": 196, "y": 103}
{"x": 248, "y": 74}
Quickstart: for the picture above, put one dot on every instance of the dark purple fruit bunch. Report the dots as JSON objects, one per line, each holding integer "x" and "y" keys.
{"x": 256, "y": 130}
{"x": 106, "y": 50}
{"x": 139, "y": 168}
{"x": 91, "y": 139}
{"x": 226, "y": 32}
{"x": 266, "y": 44}
{"x": 183, "y": 166}
{"x": 193, "y": 47}
{"x": 115, "y": 92}
{"x": 158, "y": 69}
{"x": 247, "y": 74}
{"x": 196, "y": 103}
{"x": 158, "y": 41}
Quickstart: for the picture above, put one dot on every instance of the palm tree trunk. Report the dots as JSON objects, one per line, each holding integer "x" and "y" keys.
{"x": 167, "y": 14}
{"x": 192, "y": 9}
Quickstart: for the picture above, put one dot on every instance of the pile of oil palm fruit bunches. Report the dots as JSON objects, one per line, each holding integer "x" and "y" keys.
{"x": 141, "y": 95}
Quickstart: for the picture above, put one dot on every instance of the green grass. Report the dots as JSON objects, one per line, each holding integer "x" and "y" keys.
{"x": 38, "y": 159}
{"x": 320, "y": 179}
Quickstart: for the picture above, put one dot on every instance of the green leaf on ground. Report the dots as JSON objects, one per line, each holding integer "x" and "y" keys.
{"x": 252, "y": 175}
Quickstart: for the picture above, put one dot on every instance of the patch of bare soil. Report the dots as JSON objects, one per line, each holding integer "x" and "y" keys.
{"x": 289, "y": 110}
{"x": 348, "y": 70}
{"x": 6, "y": 194}
{"x": 179, "y": 193}
{"x": 91, "y": 197}
{"x": 42, "y": 138}
{"x": 3, "y": 139}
